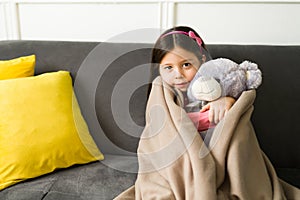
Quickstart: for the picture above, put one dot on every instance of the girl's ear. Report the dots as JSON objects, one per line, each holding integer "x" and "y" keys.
{"x": 203, "y": 59}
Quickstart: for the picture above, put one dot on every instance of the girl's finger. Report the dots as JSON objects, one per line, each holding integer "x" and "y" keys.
{"x": 221, "y": 114}
{"x": 211, "y": 115}
{"x": 205, "y": 108}
{"x": 216, "y": 115}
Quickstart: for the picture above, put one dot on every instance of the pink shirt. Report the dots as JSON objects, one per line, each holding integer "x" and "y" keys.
{"x": 200, "y": 119}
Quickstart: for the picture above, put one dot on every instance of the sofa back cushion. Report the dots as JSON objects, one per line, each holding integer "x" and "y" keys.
{"x": 110, "y": 80}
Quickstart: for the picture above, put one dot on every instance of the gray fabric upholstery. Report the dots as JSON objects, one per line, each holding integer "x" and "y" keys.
{"x": 97, "y": 180}
{"x": 105, "y": 76}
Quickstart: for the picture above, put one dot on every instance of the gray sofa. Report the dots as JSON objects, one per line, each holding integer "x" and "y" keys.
{"x": 111, "y": 82}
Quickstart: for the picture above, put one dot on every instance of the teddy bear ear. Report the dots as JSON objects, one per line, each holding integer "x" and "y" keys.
{"x": 253, "y": 74}
{"x": 247, "y": 65}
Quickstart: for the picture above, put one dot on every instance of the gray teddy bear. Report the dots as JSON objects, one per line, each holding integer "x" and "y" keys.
{"x": 222, "y": 77}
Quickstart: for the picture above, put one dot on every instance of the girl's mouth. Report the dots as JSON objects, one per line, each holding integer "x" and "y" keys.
{"x": 181, "y": 85}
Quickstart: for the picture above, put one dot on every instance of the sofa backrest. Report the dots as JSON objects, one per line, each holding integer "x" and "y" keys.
{"x": 111, "y": 82}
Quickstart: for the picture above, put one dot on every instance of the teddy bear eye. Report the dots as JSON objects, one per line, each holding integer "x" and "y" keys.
{"x": 217, "y": 79}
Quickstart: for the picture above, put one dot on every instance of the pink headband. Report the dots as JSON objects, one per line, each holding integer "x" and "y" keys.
{"x": 191, "y": 34}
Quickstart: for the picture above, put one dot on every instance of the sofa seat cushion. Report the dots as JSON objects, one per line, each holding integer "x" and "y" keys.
{"x": 97, "y": 180}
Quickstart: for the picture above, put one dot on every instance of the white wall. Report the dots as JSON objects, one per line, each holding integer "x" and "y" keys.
{"x": 218, "y": 21}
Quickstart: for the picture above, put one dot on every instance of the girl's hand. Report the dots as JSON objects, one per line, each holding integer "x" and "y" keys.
{"x": 218, "y": 108}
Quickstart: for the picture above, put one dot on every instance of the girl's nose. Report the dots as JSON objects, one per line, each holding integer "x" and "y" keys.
{"x": 178, "y": 73}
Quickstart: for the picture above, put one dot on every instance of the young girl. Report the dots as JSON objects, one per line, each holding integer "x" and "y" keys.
{"x": 173, "y": 162}
{"x": 177, "y": 55}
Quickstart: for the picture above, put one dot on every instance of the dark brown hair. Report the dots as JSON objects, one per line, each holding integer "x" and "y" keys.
{"x": 167, "y": 42}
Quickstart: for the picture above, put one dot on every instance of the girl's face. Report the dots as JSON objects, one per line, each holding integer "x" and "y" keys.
{"x": 178, "y": 68}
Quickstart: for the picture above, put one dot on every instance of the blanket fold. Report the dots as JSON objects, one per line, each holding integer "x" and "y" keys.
{"x": 175, "y": 162}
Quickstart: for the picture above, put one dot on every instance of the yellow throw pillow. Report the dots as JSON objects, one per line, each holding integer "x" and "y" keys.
{"x": 41, "y": 128}
{"x": 18, "y": 67}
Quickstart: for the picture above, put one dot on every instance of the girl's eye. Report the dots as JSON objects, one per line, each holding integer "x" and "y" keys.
{"x": 167, "y": 67}
{"x": 186, "y": 65}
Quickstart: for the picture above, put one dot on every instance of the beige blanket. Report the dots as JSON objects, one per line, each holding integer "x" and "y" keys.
{"x": 175, "y": 163}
